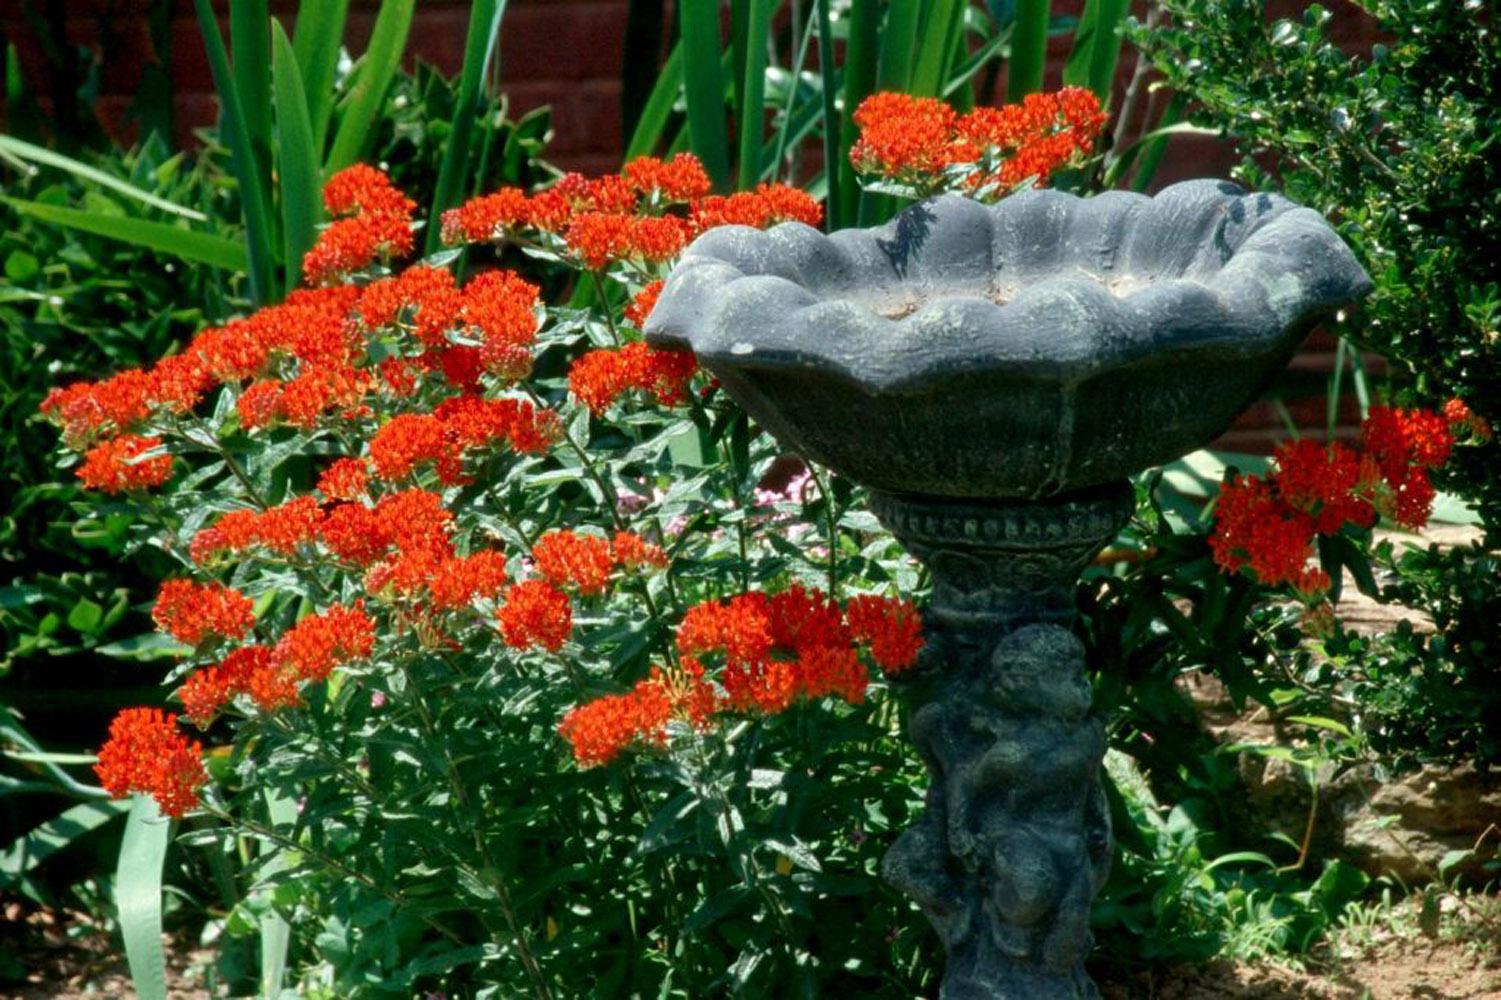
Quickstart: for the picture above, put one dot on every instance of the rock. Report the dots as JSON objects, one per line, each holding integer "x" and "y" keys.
{"x": 1406, "y": 826}
{"x": 1401, "y": 826}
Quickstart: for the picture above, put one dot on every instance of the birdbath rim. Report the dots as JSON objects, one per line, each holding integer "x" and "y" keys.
{"x": 1052, "y": 318}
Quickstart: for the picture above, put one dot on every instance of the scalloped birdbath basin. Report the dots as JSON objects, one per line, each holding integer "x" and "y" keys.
{"x": 1064, "y": 341}
{"x": 995, "y": 374}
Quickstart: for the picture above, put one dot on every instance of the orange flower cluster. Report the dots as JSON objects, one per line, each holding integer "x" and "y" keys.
{"x": 307, "y": 653}
{"x": 600, "y": 730}
{"x": 345, "y": 479}
{"x": 496, "y": 308}
{"x": 646, "y": 214}
{"x": 313, "y": 647}
{"x": 281, "y": 529}
{"x": 923, "y": 142}
{"x": 767, "y": 205}
{"x": 643, "y": 303}
{"x": 145, "y": 753}
{"x": 600, "y": 377}
{"x": 372, "y": 221}
{"x": 118, "y": 465}
{"x": 309, "y": 330}
{"x": 535, "y": 614}
{"x": 193, "y": 613}
{"x": 457, "y": 427}
{"x": 210, "y": 688}
{"x": 1459, "y": 415}
{"x": 772, "y": 649}
{"x": 568, "y": 559}
{"x": 1268, "y": 525}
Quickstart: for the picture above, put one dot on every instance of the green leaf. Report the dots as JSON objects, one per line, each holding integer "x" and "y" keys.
{"x": 138, "y": 896}
{"x": 796, "y": 853}
{"x": 84, "y": 172}
{"x": 480, "y": 46}
{"x": 1097, "y": 47}
{"x": 1152, "y": 152}
{"x": 46, "y": 839}
{"x": 1319, "y": 722}
{"x": 1453, "y": 859}
{"x": 253, "y": 198}
{"x": 377, "y": 67}
{"x": 301, "y": 208}
{"x": 703, "y": 88}
{"x": 276, "y": 933}
{"x": 717, "y": 907}
{"x": 831, "y": 128}
{"x": 250, "y": 63}
{"x": 751, "y": 111}
{"x": 316, "y": 40}
{"x": 862, "y": 52}
{"x": 935, "y": 45}
{"x": 1029, "y": 49}
{"x": 898, "y": 41}
{"x": 163, "y": 237}
{"x": 658, "y": 109}
{"x": 85, "y": 616}
{"x": 21, "y": 266}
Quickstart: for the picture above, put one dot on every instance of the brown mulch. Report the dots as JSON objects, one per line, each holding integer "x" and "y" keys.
{"x": 66, "y": 957}
{"x": 1406, "y": 971}
{"x": 1400, "y": 965}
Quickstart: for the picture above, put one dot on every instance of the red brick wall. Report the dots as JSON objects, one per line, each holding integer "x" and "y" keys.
{"x": 568, "y": 54}
{"x": 563, "y": 53}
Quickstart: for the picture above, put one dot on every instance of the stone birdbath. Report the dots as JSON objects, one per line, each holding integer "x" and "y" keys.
{"x": 994, "y": 375}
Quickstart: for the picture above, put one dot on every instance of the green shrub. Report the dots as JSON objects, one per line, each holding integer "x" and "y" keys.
{"x": 1398, "y": 147}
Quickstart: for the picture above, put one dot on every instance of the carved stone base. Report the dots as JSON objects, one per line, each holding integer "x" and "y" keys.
{"x": 1014, "y": 840}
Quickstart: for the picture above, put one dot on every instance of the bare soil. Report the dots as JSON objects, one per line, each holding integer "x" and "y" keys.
{"x": 66, "y": 957}
{"x": 1390, "y": 957}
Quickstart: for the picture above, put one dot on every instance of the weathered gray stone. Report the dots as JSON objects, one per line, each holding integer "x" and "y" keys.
{"x": 1065, "y": 342}
{"x": 994, "y": 374}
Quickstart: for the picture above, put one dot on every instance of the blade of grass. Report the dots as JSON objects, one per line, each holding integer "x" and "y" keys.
{"x": 830, "y": 118}
{"x": 138, "y": 897}
{"x": 253, "y": 201}
{"x": 377, "y": 66}
{"x": 1105, "y": 50}
{"x": 469, "y": 102}
{"x": 1076, "y": 67}
{"x": 957, "y": 94}
{"x": 250, "y": 62}
{"x": 658, "y": 108}
{"x": 1152, "y": 152}
{"x": 47, "y": 158}
{"x": 753, "y": 100}
{"x": 898, "y": 39}
{"x": 862, "y": 53}
{"x": 1029, "y": 49}
{"x": 945, "y": 18}
{"x": 740, "y": 15}
{"x": 703, "y": 88}
{"x": 965, "y": 70}
{"x": 276, "y": 933}
{"x": 301, "y": 207}
{"x": 316, "y": 40}
{"x": 1336, "y": 382}
{"x": 174, "y": 241}
{"x": 796, "y": 118}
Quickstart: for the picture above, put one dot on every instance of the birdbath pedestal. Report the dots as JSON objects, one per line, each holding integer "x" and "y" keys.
{"x": 994, "y": 375}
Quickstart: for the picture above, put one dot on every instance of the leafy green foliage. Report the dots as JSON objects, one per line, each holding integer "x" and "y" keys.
{"x": 1398, "y": 147}
{"x": 1431, "y": 694}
